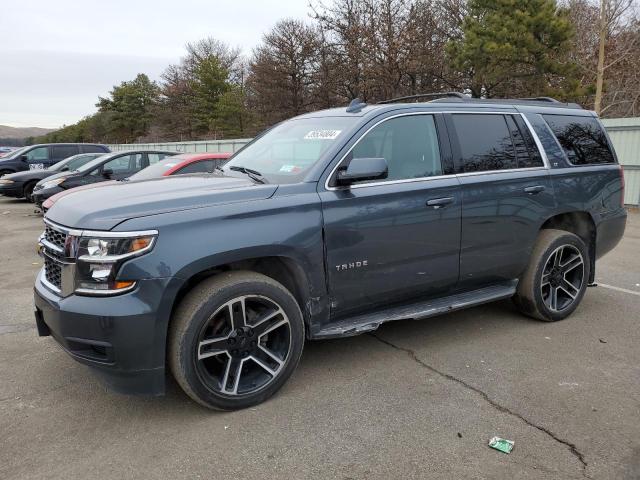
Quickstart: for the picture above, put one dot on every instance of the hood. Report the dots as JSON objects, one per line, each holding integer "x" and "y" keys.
{"x": 57, "y": 175}
{"x": 28, "y": 175}
{"x": 104, "y": 208}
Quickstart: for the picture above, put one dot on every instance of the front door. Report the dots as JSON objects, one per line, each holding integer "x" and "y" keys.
{"x": 397, "y": 238}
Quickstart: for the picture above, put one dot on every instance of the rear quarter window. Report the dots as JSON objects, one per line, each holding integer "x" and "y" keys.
{"x": 94, "y": 149}
{"x": 582, "y": 138}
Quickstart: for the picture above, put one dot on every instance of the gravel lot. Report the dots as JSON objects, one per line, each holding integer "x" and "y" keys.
{"x": 415, "y": 400}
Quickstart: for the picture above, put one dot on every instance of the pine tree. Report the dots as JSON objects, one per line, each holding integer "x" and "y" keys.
{"x": 515, "y": 47}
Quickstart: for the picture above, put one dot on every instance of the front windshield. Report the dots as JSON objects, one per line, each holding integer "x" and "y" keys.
{"x": 78, "y": 161}
{"x": 73, "y": 162}
{"x": 92, "y": 164}
{"x": 286, "y": 152}
{"x": 15, "y": 153}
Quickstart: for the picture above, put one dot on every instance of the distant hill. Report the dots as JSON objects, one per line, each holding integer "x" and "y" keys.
{"x": 23, "y": 132}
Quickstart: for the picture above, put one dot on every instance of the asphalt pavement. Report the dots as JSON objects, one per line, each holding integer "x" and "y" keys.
{"x": 417, "y": 399}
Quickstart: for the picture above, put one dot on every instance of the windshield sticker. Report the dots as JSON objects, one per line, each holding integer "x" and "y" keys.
{"x": 322, "y": 135}
{"x": 290, "y": 168}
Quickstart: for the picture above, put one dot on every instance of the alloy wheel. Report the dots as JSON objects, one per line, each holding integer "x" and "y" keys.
{"x": 243, "y": 346}
{"x": 562, "y": 278}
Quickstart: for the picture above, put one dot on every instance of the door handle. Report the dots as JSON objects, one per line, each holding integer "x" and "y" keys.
{"x": 534, "y": 190}
{"x": 439, "y": 202}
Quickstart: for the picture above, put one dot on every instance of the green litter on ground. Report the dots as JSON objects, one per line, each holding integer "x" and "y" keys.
{"x": 505, "y": 446}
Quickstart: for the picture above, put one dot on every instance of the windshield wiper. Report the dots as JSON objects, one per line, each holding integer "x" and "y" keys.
{"x": 254, "y": 175}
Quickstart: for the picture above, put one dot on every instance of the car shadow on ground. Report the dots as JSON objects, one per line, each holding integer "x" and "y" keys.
{"x": 320, "y": 363}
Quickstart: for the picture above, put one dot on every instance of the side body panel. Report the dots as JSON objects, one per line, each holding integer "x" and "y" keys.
{"x": 287, "y": 225}
{"x": 500, "y": 223}
{"x": 384, "y": 244}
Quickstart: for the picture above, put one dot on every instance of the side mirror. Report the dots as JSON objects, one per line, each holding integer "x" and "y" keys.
{"x": 107, "y": 173}
{"x": 24, "y": 158}
{"x": 64, "y": 169}
{"x": 360, "y": 169}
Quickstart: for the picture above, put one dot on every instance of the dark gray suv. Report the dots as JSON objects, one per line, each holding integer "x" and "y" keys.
{"x": 329, "y": 225}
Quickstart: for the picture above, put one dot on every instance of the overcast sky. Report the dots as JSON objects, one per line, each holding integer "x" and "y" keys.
{"x": 57, "y": 56}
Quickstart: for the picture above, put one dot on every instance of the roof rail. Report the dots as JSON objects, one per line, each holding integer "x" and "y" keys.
{"x": 540, "y": 99}
{"x": 423, "y": 95}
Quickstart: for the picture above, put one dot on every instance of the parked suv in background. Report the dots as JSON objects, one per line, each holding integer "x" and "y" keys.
{"x": 115, "y": 166}
{"x": 329, "y": 225}
{"x": 21, "y": 184}
{"x": 39, "y": 157}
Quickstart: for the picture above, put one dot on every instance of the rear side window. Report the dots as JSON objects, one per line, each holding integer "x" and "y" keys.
{"x": 156, "y": 157}
{"x": 60, "y": 152}
{"x": 205, "y": 166}
{"x": 94, "y": 149}
{"x": 527, "y": 151}
{"x": 582, "y": 139}
{"x": 485, "y": 142}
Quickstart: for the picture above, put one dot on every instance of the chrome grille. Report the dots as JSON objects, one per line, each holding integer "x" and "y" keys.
{"x": 53, "y": 272}
{"x": 55, "y": 237}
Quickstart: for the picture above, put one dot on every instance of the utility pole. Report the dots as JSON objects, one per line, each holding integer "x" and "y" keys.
{"x": 597, "y": 106}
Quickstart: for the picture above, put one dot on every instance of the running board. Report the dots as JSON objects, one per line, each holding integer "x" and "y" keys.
{"x": 416, "y": 311}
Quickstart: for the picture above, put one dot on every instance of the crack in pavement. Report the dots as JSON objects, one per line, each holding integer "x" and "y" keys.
{"x": 571, "y": 446}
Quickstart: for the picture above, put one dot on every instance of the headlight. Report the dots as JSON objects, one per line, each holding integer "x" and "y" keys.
{"x": 53, "y": 183}
{"x": 100, "y": 258}
{"x": 6, "y": 182}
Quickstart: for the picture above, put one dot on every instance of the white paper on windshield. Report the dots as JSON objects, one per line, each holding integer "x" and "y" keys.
{"x": 322, "y": 135}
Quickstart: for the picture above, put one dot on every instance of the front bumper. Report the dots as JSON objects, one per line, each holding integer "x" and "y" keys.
{"x": 122, "y": 337}
{"x": 39, "y": 196}
{"x": 14, "y": 190}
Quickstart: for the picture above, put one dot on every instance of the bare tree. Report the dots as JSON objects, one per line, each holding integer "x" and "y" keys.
{"x": 284, "y": 71}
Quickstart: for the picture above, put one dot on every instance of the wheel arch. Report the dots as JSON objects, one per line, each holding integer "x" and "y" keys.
{"x": 579, "y": 223}
{"x": 284, "y": 269}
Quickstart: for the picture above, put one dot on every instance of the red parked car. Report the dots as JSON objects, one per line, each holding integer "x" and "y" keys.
{"x": 175, "y": 165}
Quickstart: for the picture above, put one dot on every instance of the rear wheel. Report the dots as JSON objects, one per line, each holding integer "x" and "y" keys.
{"x": 28, "y": 191}
{"x": 235, "y": 339}
{"x": 556, "y": 279}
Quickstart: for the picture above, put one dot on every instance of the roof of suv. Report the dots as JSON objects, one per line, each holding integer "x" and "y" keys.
{"x": 542, "y": 105}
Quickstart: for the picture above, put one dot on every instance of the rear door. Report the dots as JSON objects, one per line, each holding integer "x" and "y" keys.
{"x": 60, "y": 152}
{"x": 506, "y": 192}
{"x": 396, "y": 238}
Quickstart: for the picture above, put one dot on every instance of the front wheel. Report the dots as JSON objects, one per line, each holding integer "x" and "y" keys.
{"x": 235, "y": 339}
{"x": 28, "y": 191}
{"x": 555, "y": 281}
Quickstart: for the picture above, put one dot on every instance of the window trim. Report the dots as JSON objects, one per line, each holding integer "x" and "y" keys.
{"x": 387, "y": 182}
{"x": 545, "y": 160}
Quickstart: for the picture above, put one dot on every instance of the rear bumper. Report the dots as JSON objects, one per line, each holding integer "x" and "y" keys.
{"x": 122, "y": 338}
{"x": 610, "y": 230}
{"x": 39, "y": 196}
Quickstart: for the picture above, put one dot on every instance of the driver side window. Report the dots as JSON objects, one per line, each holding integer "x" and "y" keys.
{"x": 38, "y": 154}
{"x": 124, "y": 164}
{"x": 409, "y": 144}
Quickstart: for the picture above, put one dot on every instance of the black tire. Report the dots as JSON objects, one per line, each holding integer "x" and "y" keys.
{"x": 559, "y": 263}
{"x": 209, "y": 313}
{"x": 28, "y": 191}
